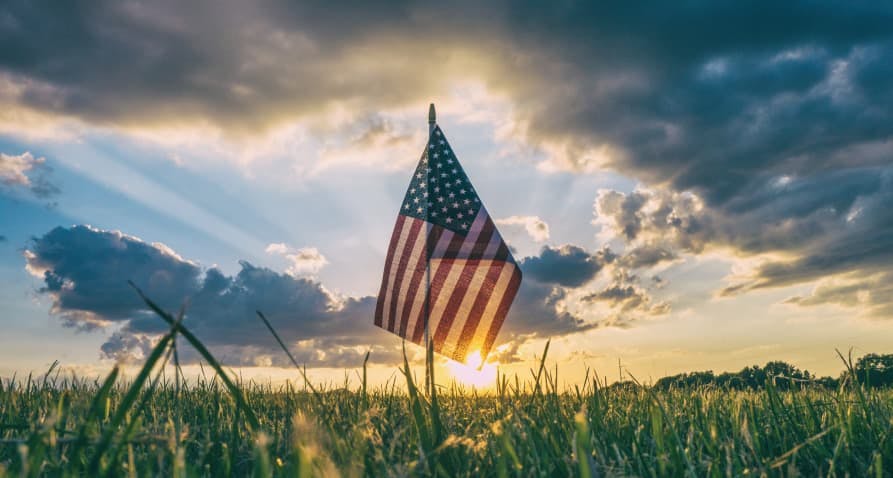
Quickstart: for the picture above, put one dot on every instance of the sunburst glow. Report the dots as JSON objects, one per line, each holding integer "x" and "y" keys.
{"x": 473, "y": 372}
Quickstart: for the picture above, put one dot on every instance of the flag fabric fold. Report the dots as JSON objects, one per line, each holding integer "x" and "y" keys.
{"x": 446, "y": 264}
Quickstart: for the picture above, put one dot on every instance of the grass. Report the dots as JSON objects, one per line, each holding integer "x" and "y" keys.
{"x": 217, "y": 426}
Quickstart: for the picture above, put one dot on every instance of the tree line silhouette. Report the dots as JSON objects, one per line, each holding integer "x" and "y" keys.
{"x": 872, "y": 370}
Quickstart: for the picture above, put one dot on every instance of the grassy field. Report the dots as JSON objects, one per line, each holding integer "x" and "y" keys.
{"x": 71, "y": 427}
{"x": 153, "y": 425}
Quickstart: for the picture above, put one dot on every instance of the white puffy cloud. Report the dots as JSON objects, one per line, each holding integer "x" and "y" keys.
{"x": 536, "y": 228}
{"x": 25, "y": 171}
{"x": 13, "y": 168}
{"x": 276, "y": 248}
{"x": 302, "y": 262}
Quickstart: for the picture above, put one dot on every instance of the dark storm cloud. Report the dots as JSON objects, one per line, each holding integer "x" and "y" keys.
{"x": 852, "y": 233}
{"x": 833, "y": 223}
{"x": 567, "y": 265}
{"x": 86, "y": 270}
{"x": 712, "y": 106}
{"x": 537, "y": 311}
{"x": 85, "y": 273}
{"x": 541, "y": 307}
{"x": 240, "y": 66}
{"x": 722, "y": 99}
{"x": 630, "y": 74}
{"x": 759, "y": 127}
{"x": 783, "y": 139}
{"x": 859, "y": 239}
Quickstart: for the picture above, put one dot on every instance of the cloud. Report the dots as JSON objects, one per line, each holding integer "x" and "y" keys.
{"x": 277, "y": 248}
{"x": 127, "y": 347}
{"x": 765, "y": 144}
{"x": 276, "y": 62}
{"x": 773, "y": 148}
{"x": 24, "y": 171}
{"x": 567, "y": 265}
{"x": 553, "y": 299}
{"x": 654, "y": 221}
{"x": 872, "y": 294}
{"x": 85, "y": 272}
{"x": 303, "y": 261}
{"x": 540, "y": 310}
{"x": 382, "y": 140}
{"x": 777, "y": 144}
{"x": 536, "y": 228}
{"x": 12, "y": 168}
{"x": 627, "y": 299}
{"x": 648, "y": 255}
{"x": 381, "y": 133}
{"x": 284, "y": 59}
{"x": 801, "y": 230}
{"x": 851, "y": 234}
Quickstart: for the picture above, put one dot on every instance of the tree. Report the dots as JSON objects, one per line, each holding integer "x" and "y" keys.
{"x": 782, "y": 375}
{"x": 785, "y": 375}
{"x": 874, "y": 370}
{"x": 684, "y": 380}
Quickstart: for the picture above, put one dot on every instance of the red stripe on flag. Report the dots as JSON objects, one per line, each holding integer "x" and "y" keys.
{"x": 502, "y": 254}
{"x": 454, "y": 300}
{"x": 437, "y": 282}
{"x": 414, "y": 268}
{"x": 501, "y": 312}
{"x": 421, "y": 302}
{"x": 395, "y": 236}
{"x": 418, "y": 277}
{"x": 477, "y": 310}
{"x": 459, "y": 292}
{"x": 477, "y": 252}
{"x": 405, "y": 255}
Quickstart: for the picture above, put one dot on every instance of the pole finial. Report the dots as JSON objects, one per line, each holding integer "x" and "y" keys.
{"x": 432, "y": 115}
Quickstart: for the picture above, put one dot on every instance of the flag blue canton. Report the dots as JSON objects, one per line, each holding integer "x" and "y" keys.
{"x": 440, "y": 192}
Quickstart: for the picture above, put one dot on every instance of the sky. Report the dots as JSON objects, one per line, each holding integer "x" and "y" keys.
{"x": 696, "y": 186}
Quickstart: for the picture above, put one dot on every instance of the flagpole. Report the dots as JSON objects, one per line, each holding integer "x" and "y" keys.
{"x": 429, "y": 386}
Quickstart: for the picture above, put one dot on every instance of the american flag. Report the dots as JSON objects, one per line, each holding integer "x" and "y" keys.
{"x": 473, "y": 276}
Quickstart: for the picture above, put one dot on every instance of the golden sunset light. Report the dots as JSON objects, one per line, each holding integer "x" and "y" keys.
{"x": 473, "y": 373}
{"x": 446, "y": 239}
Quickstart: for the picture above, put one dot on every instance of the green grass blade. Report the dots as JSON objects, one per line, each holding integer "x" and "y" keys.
{"x": 234, "y": 391}
{"x": 126, "y": 402}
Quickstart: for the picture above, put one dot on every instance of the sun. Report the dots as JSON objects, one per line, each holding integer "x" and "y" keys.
{"x": 473, "y": 372}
